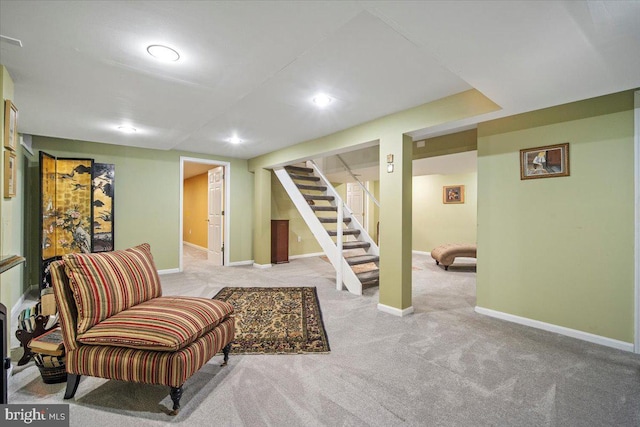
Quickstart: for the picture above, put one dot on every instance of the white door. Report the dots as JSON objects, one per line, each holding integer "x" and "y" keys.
{"x": 216, "y": 213}
{"x": 355, "y": 201}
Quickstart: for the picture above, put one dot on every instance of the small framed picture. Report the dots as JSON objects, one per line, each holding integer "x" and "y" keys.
{"x": 10, "y": 174}
{"x": 544, "y": 162}
{"x": 10, "y": 125}
{"x": 452, "y": 194}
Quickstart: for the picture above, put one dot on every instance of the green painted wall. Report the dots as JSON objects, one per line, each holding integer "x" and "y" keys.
{"x": 12, "y": 282}
{"x": 396, "y": 222}
{"x": 147, "y": 196}
{"x": 435, "y": 223}
{"x": 560, "y": 250}
{"x": 458, "y": 142}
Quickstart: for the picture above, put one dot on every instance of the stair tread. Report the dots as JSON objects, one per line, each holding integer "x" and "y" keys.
{"x": 369, "y": 276}
{"x": 345, "y": 232}
{"x": 311, "y": 187}
{"x": 362, "y": 259}
{"x": 324, "y": 208}
{"x": 304, "y": 177}
{"x": 298, "y": 169}
{"x": 318, "y": 197}
{"x": 355, "y": 245}
{"x": 333, "y": 220}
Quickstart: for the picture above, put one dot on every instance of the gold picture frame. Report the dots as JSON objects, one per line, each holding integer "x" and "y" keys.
{"x": 10, "y": 125}
{"x": 10, "y": 174}
{"x": 452, "y": 194}
{"x": 549, "y": 161}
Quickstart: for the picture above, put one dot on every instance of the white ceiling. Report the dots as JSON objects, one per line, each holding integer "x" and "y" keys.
{"x": 251, "y": 68}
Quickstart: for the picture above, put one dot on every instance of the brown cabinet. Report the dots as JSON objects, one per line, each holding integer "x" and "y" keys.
{"x": 279, "y": 241}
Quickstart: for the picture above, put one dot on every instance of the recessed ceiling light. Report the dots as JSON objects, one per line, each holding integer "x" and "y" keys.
{"x": 127, "y": 129}
{"x": 322, "y": 100}
{"x": 163, "y": 53}
{"x": 234, "y": 140}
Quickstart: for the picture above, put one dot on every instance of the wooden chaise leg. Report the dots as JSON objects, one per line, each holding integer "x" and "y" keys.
{"x": 225, "y": 351}
{"x": 176, "y": 394}
{"x": 72, "y": 385}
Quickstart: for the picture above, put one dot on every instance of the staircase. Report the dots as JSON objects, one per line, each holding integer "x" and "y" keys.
{"x": 345, "y": 243}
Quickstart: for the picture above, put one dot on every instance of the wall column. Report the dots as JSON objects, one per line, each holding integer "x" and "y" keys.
{"x": 395, "y": 225}
{"x": 262, "y": 218}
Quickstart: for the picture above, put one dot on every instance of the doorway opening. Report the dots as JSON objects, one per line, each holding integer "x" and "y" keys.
{"x": 204, "y": 208}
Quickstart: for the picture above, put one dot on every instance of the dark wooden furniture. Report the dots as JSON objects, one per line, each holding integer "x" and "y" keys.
{"x": 279, "y": 241}
{"x": 24, "y": 337}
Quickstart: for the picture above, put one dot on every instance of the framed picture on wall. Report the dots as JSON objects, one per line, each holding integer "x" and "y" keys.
{"x": 10, "y": 174}
{"x": 544, "y": 162}
{"x": 452, "y": 194}
{"x": 10, "y": 125}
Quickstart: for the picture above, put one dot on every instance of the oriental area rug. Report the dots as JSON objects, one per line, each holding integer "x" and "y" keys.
{"x": 280, "y": 320}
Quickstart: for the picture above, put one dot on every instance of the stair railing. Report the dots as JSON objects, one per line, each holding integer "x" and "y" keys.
{"x": 337, "y": 197}
{"x": 341, "y": 205}
{"x": 357, "y": 180}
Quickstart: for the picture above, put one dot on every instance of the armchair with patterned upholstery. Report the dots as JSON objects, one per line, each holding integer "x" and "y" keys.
{"x": 117, "y": 325}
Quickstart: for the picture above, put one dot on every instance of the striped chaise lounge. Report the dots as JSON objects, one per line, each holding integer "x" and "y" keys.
{"x": 446, "y": 254}
{"x": 117, "y": 325}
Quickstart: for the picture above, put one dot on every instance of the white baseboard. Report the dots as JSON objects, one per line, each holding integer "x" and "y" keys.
{"x": 573, "y": 333}
{"x": 191, "y": 245}
{"x": 395, "y": 311}
{"x": 15, "y": 310}
{"x": 237, "y": 263}
{"x": 169, "y": 271}
{"x": 261, "y": 265}
{"x": 421, "y": 253}
{"x": 306, "y": 255}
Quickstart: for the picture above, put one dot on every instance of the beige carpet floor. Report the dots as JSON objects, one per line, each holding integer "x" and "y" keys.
{"x": 444, "y": 365}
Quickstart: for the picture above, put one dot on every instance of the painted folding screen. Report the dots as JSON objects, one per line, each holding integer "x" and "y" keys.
{"x": 66, "y": 209}
{"x": 103, "y": 188}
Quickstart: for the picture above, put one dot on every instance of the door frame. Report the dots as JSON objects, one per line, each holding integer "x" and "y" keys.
{"x": 227, "y": 204}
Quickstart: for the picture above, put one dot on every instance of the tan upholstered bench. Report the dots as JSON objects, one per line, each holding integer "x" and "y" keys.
{"x": 446, "y": 254}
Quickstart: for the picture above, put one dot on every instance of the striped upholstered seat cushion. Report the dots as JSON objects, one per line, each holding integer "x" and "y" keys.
{"x": 161, "y": 324}
{"x": 107, "y": 283}
{"x": 149, "y": 367}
